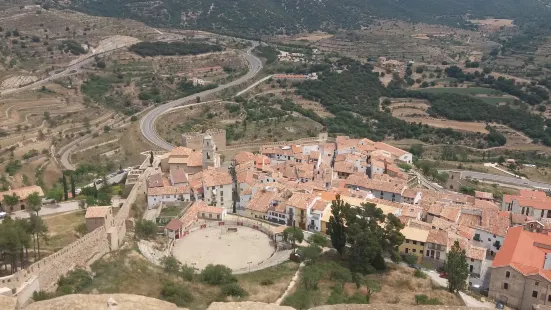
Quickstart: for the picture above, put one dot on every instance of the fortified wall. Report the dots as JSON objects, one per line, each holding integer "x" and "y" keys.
{"x": 44, "y": 274}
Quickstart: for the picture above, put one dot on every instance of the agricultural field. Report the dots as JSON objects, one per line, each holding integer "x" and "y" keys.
{"x": 404, "y": 41}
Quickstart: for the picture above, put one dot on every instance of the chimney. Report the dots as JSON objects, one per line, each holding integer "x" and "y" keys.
{"x": 547, "y": 263}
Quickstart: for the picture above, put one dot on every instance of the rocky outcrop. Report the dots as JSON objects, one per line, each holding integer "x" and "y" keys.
{"x": 136, "y": 302}
{"x": 102, "y": 302}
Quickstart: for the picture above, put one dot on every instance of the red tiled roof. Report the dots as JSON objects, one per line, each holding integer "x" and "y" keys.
{"x": 155, "y": 180}
{"x": 521, "y": 251}
{"x": 437, "y": 236}
{"x": 178, "y": 175}
{"x": 174, "y": 224}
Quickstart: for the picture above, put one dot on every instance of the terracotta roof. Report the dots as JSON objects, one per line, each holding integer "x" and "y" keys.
{"x": 191, "y": 214}
{"x": 419, "y": 224}
{"x": 409, "y": 193}
{"x": 216, "y": 177}
{"x": 211, "y": 209}
{"x": 415, "y": 234}
{"x": 195, "y": 159}
{"x": 178, "y": 176}
{"x": 23, "y": 192}
{"x": 174, "y": 224}
{"x": 344, "y": 167}
{"x": 97, "y": 212}
{"x": 261, "y": 200}
{"x": 438, "y": 237}
{"x": 362, "y": 180}
{"x": 475, "y": 252}
{"x": 524, "y": 251}
{"x": 540, "y": 204}
{"x": 300, "y": 200}
{"x": 389, "y": 148}
{"x": 246, "y": 177}
{"x": 168, "y": 190}
{"x": 180, "y": 151}
{"x": 525, "y": 194}
{"x": 483, "y": 195}
{"x": 243, "y": 157}
{"x": 320, "y": 205}
{"x": 155, "y": 180}
{"x": 442, "y": 224}
{"x": 178, "y": 160}
{"x": 469, "y": 220}
{"x": 466, "y": 232}
{"x": 450, "y": 213}
{"x": 520, "y": 218}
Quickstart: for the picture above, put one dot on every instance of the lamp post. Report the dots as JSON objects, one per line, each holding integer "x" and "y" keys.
{"x": 249, "y": 266}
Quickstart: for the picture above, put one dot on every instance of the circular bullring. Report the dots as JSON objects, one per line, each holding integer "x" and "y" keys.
{"x": 237, "y": 247}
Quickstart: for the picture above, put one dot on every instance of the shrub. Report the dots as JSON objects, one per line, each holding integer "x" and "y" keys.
{"x": 217, "y": 275}
{"x": 300, "y": 300}
{"x": 170, "y": 264}
{"x": 74, "y": 282}
{"x": 176, "y": 293}
{"x": 145, "y": 229}
{"x": 266, "y": 282}
{"x": 187, "y": 273}
{"x": 423, "y": 299}
{"x": 419, "y": 274}
{"x": 410, "y": 259}
{"x": 310, "y": 277}
{"x": 233, "y": 289}
{"x": 133, "y": 118}
{"x": 42, "y": 295}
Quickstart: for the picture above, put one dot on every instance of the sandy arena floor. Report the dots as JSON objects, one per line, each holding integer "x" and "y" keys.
{"x": 232, "y": 249}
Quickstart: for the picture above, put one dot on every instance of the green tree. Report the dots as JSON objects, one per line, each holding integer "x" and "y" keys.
{"x": 39, "y": 229}
{"x": 55, "y": 193}
{"x": 319, "y": 240}
{"x": 35, "y": 202}
{"x": 81, "y": 229}
{"x": 457, "y": 268}
{"x": 336, "y": 226}
{"x": 501, "y": 159}
{"x": 293, "y": 234}
{"x": 10, "y": 201}
{"x": 311, "y": 253}
{"x": 73, "y": 187}
{"x": 151, "y": 158}
{"x": 170, "y": 264}
{"x": 217, "y": 275}
{"x": 145, "y": 229}
{"x": 65, "y": 189}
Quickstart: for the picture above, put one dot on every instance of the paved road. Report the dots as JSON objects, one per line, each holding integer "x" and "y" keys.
{"x": 147, "y": 124}
{"x": 502, "y": 179}
{"x": 50, "y": 209}
{"x": 469, "y": 301}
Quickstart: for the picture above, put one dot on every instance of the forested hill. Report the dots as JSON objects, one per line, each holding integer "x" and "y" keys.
{"x": 254, "y": 17}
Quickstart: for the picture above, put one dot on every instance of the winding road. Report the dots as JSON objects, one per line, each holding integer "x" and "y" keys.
{"x": 147, "y": 123}
{"x": 501, "y": 179}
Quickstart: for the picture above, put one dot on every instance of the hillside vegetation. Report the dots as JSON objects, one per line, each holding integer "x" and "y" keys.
{"x": 254, "y": 17}
{"x": 173, "y": 48}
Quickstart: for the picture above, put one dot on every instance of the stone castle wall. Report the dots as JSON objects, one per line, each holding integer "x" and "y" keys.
{"x": 194, "y": 140}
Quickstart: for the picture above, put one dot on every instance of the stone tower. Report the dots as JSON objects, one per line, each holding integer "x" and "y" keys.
{"x": 209, "y": 152}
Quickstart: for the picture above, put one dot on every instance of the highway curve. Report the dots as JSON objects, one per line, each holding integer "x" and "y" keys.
{"x": 147, "y": 124}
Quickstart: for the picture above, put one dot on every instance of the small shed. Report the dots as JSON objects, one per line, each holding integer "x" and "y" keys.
{"x": 211, "y": 213}
{"x": 174, "y": 229}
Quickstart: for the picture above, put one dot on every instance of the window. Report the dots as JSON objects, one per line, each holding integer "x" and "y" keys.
{"x": 414, "y": 242}
{"x": 508, "y": 274}
{"x": 490, "y": 239}
{"x": 407, "y": 241}
{"x": 472, "y": 260}
{"x": 407, "y": 250}
{"x": 549, "y": 298}
{"x": 421, "y": 252}
{"x": 537, "y": 283}
{"x": 535, "y": 294}
{"x": 505, "y": 286}
{"x": 422, "y": 243}
{"x": 413, "y": 250}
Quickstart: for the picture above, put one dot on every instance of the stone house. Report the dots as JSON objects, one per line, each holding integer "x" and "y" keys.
{"x": 157, "y": 195}
{"x": 99, "y": 217}
{"x": 521, "y": 270}
{"x": 218, "y": 188}
{"x": 436, "y": 246}
{"x": 23, "y": 193}
{"x": 415, "y": 242}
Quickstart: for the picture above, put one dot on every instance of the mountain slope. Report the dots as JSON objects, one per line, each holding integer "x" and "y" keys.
{"x": 254, "y": 17}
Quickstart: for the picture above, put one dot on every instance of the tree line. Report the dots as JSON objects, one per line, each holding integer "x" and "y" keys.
{"x": 159, "y": 48}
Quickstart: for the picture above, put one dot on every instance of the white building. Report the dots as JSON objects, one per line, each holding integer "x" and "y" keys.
{"x": 156, "y": 195}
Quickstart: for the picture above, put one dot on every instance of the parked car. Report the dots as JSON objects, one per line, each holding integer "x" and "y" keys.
{"x": 443, "y": 275}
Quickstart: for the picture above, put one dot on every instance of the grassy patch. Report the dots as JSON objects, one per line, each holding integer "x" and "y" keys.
{"x": 126, "y": 271}
{"x": 171, "y": 211}
{"x": 62, "y": 230}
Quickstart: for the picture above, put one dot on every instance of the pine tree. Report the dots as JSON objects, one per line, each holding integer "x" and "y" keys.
{"x": 336, "y": 228}
{"x": 65, "y": 189}
{"x": 457, "y": 268}
{"x": 151, "y": 158}
{"x": 73, "y": 188}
